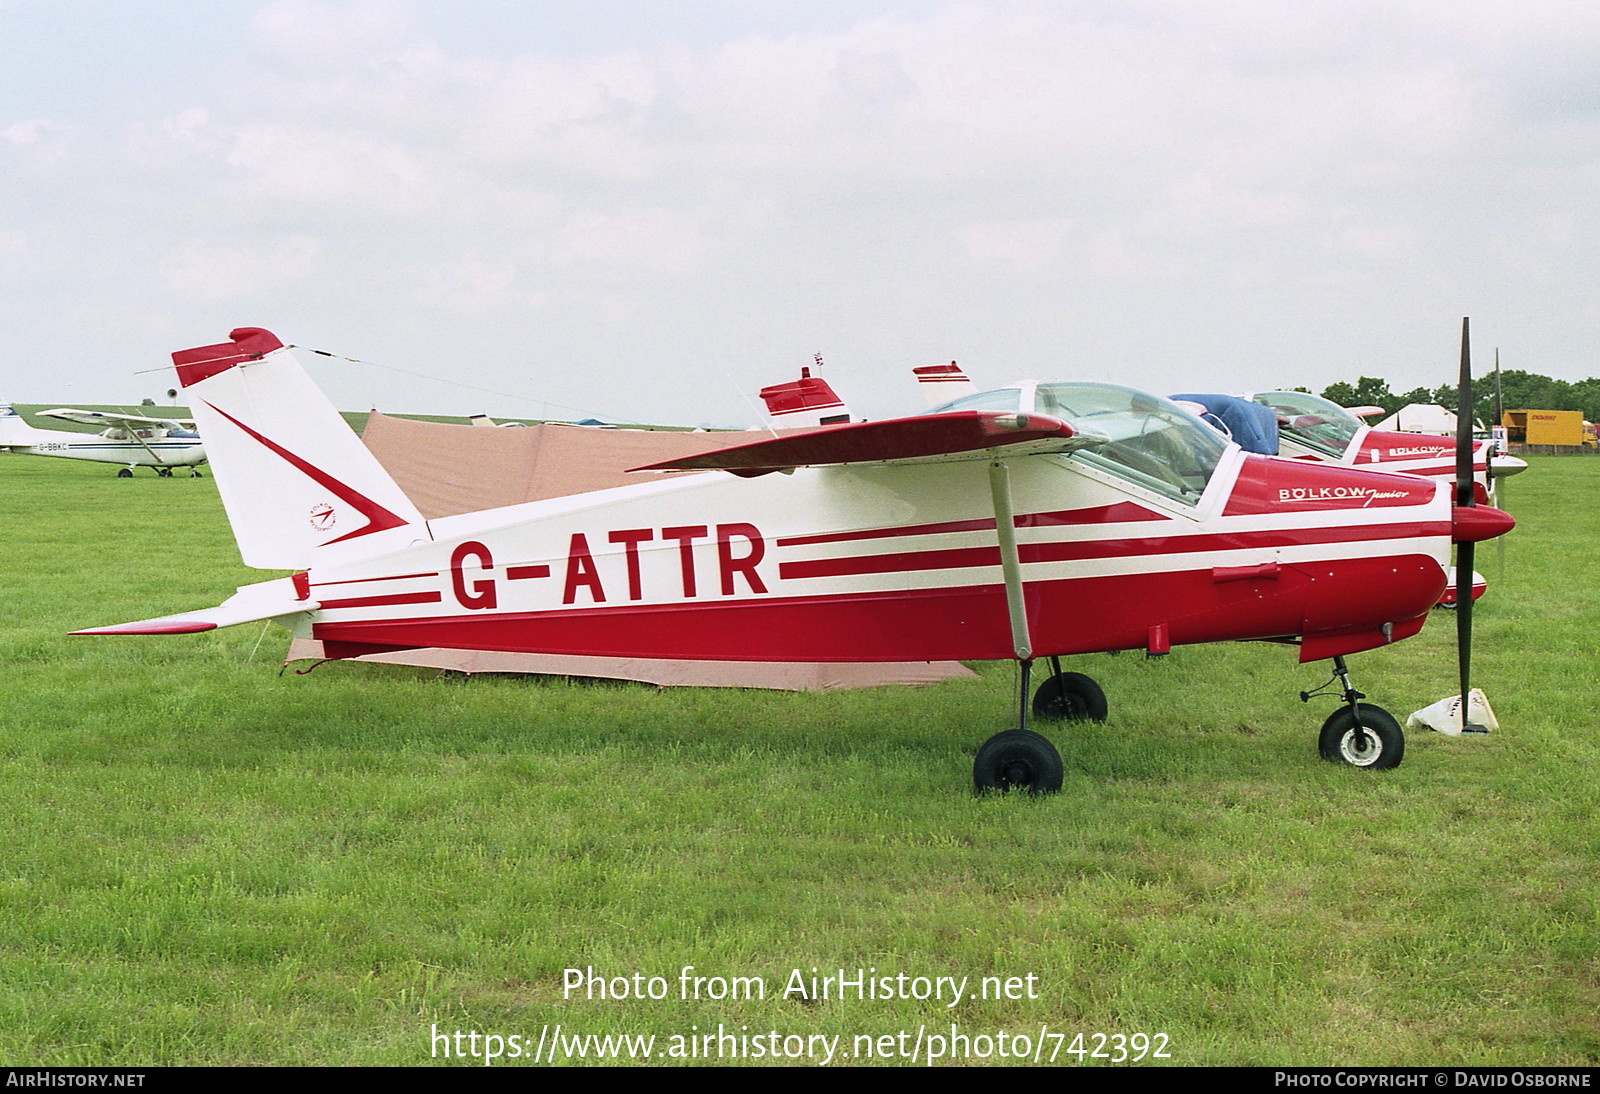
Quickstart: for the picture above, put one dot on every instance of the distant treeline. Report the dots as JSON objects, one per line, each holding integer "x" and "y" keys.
{"x": 1518, "y": 391}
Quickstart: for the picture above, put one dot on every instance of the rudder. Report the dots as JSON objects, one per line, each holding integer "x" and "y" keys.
{"x": 298, "y": 485}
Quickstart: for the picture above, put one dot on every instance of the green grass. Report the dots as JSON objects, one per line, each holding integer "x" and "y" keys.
{"x": 207, "y": 862}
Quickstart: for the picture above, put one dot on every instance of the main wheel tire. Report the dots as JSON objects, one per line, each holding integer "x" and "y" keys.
{"x": 1018, "y": 759}
{"x": 1384, "y": 743}
{"x": 1071, "y": 697}
{"x": 125, "y": 473}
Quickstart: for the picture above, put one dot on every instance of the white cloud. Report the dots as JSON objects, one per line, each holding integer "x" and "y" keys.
{"x": 995, "y": 180}
{"x": 238, "y": 274}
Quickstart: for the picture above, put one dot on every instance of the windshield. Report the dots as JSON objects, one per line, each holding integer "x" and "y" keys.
{"x": 1315, "y": 422}
{"x": 1148, "y": 441}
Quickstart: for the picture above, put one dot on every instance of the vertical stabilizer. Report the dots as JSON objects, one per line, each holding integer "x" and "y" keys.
{"x": 808, "y": 401}
{"x": 941, "y": 383}
{"x": 300, "y": 488}
{"x": 14, "y": 430}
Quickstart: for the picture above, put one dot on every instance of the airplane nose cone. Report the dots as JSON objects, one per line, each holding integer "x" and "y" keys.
{"x": 1478, "y": 522}
{"x": 1502, "y": 466}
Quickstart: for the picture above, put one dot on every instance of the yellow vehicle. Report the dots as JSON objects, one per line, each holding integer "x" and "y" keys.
{"x": 1555, "y": 428}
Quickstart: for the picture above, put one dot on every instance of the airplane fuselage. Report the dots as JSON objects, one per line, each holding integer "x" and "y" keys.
{"x": 162, "y": 452}
{"x": 884, "y": 562}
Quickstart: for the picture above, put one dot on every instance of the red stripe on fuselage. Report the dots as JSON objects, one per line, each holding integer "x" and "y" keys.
{"x": 963, "y": 557}
{"x": 1121, "y": 512}
{"x": 381, "y": 601}
{"x": 369, "y": 580}
{"x": 1346, "y": 600}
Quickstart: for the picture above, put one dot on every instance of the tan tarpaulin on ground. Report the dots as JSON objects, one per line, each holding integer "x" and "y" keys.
{"x": 449, "y": 469}
{"x": 806, "y": 676}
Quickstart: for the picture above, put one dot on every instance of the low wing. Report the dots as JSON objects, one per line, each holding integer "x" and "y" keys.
{"x": 928, "y": 438}
{"x": 106, "y": 418}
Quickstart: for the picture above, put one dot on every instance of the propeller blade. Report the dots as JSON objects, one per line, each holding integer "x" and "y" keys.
{"x": 1464, "y": 423}
{"x": 1464, "y": 551}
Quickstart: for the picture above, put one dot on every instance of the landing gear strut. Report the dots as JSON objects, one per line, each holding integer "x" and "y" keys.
{"x": 1020, "y": 759}
{"x": 1359, "y": 734}
{"x": 1069, "y": 696}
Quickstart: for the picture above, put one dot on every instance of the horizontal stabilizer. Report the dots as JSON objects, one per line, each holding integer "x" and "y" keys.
{"x": 929, "y": 438}
{"x": 251, "y": 604}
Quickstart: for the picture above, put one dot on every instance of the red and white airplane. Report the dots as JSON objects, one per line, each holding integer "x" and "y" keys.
{"x": 1311, "y": 427}
{"x": 1037, "y": 521}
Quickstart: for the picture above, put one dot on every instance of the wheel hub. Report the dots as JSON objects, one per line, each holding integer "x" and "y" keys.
{"x": 1363, "y": 753}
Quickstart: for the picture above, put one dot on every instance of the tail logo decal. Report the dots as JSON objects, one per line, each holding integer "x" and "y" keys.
{"x": 379, "y": 519}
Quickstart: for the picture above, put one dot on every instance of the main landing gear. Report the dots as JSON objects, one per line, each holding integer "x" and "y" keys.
{"x": 1359, "y": 734}
{"x": 163, "y": 472}
{"x": 1020, "y": 759}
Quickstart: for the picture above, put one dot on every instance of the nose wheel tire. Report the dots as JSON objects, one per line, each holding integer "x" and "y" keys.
{"x": 1380, "y": 744}
{"x": 1018, "y": 759}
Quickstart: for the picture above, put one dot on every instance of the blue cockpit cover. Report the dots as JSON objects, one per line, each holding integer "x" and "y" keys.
{"x": 1254, "y": 427}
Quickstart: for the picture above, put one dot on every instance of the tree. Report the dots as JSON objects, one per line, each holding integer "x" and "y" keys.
{"x": 1519, "y": 390}
{"x": 1367, "y": 391}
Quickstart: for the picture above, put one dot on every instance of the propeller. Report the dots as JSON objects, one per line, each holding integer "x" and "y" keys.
{"x": 1465, "y": 499}
{"x": 1497, "y": 482}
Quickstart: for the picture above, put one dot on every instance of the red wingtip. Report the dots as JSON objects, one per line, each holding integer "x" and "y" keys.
{"x": 152, "y": 627}
{"x": 203, "y": 362}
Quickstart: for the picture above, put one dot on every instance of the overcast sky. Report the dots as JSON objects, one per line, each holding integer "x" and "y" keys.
{"x": 648, "y": 210}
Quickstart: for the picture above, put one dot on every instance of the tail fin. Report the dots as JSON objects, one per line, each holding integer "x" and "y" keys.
{"x": 300, "y": 488}
{"x": 804, "y": 402}
{"x": 14, "y": 429}
{"x": 941, "y": 383}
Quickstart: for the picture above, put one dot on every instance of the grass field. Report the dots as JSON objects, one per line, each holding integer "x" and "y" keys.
{"x": 209, "y": 862}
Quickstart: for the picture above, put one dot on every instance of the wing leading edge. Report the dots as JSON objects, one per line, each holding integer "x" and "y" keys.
{"x": 101, "y": 417}
{"x": 929, "y": 438}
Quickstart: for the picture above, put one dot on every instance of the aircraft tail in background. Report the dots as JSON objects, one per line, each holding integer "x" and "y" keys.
{"x": 941, "y": 383}
{"x": 808, "y": 401}
{"x": 14, "y": 429}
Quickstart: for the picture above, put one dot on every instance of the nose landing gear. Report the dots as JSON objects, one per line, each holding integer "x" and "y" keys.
{"x": 1359, "y": 734}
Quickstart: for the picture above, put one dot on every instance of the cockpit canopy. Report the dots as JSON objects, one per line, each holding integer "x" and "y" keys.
{"x": 1320, "y": 425}
{"x": 1147, "y": 440}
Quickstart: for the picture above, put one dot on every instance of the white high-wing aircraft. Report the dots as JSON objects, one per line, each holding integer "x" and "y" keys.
{"x": 129, "y": 439}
